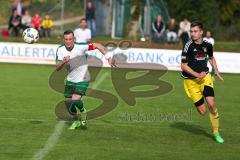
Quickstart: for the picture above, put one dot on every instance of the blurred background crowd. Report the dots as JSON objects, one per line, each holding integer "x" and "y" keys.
{"x": 153, "y": 21}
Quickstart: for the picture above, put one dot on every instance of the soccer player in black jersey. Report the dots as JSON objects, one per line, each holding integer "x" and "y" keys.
{"x": 198, "y": 83}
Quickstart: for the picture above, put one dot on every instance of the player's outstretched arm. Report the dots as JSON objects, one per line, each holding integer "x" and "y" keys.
{"x": 59, "y": 65}
{"x": 213, "y": 63}
{"x": 101, "y": 48}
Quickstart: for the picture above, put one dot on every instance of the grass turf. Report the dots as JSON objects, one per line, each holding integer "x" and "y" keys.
{"x": 28, "y": 119}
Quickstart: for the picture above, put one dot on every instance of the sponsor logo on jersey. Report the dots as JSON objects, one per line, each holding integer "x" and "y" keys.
{"x": 200, "y": 56}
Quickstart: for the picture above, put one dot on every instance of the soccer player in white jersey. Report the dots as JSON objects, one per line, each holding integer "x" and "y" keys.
{"x": 72, "y": 55}
{"x": 83, "y": 34}
{"x": 209, "y": 38}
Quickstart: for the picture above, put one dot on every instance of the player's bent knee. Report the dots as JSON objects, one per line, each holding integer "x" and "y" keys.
{"x": 208, "y": 91}
{"x": 76, "y": 97}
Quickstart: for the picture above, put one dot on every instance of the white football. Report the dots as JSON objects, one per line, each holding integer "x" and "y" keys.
{"x": 30, "y": 35}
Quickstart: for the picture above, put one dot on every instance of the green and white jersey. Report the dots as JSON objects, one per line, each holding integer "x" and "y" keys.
{"x": 77, "y": 67}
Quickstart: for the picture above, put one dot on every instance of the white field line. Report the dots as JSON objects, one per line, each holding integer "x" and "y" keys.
{"x": 53, "y": 139}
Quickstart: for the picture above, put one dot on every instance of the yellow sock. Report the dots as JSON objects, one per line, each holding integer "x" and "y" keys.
{"x": 214, "y": 118}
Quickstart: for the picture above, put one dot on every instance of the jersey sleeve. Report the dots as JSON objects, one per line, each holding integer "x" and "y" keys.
{"x": 89, "y": 34}
{"x": 59, "y": 56}
{"x": 184, "y": 56}
{"x": 210, "y": 51}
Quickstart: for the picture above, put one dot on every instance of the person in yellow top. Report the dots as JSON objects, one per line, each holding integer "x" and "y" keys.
{"x": 47, "y": 25}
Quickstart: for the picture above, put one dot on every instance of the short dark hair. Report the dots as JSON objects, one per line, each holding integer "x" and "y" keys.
{"x": 83, "y": 19}
{"x": 198, "y": 24}
{"x": 68, "y": 32}
{"x": 14, "y": 9}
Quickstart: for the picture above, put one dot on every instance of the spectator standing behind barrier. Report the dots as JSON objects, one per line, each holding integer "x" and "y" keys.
{"x": 37, "y": 22}
{"x": 14, "y": 23}
{"x": 82, "y": 34}
{"x": 26, "y": 20}
{"x": 90, "y": 16}
{"x": 19, "y": 7}
{"x": 209, "y": 38}
{"x": 184, "y": 30}
{"x": 47, "y": 25}
{"x": 171, "y": 31}
{"x": 158, "y": 29}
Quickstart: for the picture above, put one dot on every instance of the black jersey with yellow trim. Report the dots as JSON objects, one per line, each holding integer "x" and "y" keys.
{"x": 195, "y": 55}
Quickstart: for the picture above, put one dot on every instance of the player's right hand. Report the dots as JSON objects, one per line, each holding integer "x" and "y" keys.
{"x": 202, "y": 75}
{"x": 66, "y": 59}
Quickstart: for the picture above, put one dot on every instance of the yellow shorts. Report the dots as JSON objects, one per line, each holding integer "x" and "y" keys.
{"x": 194, "y": 87}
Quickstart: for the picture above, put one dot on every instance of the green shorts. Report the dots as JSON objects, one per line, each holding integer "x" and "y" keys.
{"x": 75, "y": 88}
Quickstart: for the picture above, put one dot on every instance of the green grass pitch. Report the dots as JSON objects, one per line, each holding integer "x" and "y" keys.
{"x": 27, "y": 121}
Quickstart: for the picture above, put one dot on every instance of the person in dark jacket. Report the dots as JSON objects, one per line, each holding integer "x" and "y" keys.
{"x": 90, "y": 16}
{"x": 158, "y": 29}
{"x": 14, "y": 24}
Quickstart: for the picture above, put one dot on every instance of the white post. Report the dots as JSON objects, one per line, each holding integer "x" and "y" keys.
{"x": 113, "y": 17}
{"x": 62, "y": 14}
{"x": 84, "y": 7}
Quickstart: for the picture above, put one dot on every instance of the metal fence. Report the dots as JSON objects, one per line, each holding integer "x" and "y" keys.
{"x": 103, "y": 17}
{"x": 112, "y": 16}
{"x": 152, "y": 8}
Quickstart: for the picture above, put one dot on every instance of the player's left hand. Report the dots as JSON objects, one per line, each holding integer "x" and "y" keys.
{"x": 112, "y": 62}
{"x": 219, "y": 77}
